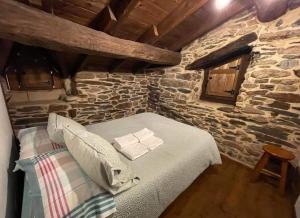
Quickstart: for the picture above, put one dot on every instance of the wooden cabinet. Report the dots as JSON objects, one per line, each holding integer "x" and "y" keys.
{"x": 31, "y": 68}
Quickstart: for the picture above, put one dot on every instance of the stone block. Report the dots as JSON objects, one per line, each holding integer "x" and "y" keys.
{"x": 57, "y": 107}
{"x": 266, "y": 86}
{"x": 252, "y": 110}
{"x": 270, "y": 73}
{"x": 276, "y": 112}
{"x": 280, "y": 35}
{"x": 277, "y": 132}
{"x": 226, "y": 109}
{"x": 174, "y": 83}
{"x": 285, "y": 97}
{"x": 288, "y": 64}
{"x": 257, "y": 92}
{"x": 290, "y": 50}
{"x": 72, "y": 113}
{"x": 124, "y": 105}
{"x": 284, "y": 81}
{"x": 30, "y": 109}
{"x": 280, "y": 105}
{"x": 237, "y": 122}
{"x": 184, "y": 76}
{"x": 185, "y": 91}
{"x": 287, "y": 88}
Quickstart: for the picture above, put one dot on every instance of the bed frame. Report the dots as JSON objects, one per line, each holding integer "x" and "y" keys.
{"x": 15, "y": 184}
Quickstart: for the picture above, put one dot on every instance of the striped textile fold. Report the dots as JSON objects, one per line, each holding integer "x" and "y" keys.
{"x": 35, "y": 141}
{"x": 64, "y": 189}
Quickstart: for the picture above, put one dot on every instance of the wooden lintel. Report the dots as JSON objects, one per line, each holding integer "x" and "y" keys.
{"x": 29, "y": 26}
{"x": 233, "y": 48}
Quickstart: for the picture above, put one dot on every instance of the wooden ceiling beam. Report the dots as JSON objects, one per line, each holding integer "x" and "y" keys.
{"x": 107, "y": 19}
{"x": 213, "y": 20}
{"x": 110, "y": 20}
{"x": 177, "y": 16}
{"x": 16, "y": 23}
{"x": 153, "y": 34}
{"x": 47, "y": 6}
{"x": 118, "y": 65}
{"x": 122, "y": 13}
{"x": 270, "y": 10}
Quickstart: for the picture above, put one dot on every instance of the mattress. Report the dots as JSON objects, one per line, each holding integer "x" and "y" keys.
{"x": 164, "y": 172}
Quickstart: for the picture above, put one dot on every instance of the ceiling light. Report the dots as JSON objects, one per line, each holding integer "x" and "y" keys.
{"x": 221, "y": 4}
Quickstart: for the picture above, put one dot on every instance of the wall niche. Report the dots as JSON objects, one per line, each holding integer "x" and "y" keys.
{"x": 31, "y": 76}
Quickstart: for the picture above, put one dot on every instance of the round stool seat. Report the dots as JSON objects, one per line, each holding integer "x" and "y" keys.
{"x": 279, "y": 152}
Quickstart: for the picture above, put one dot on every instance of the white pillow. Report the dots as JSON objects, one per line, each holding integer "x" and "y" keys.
{"x": 56, "y": 125}
{"x": 100, "y": 161}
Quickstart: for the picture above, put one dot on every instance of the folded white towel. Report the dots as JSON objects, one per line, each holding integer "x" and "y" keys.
{"x": 137, "y": 144}
{"x": 152, "y": 142}
{"x": 143, "y": 134}
{"x": 134, "y": 151}
{"x": 123, "y": 141}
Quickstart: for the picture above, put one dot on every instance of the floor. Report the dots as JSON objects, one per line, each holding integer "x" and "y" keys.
{"x": 227, "y": 191}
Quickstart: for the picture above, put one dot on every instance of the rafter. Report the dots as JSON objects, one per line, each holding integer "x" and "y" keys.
{"x": 59, "y": 34}
{"x": 155, "y": 32}
{"x": 122, "y": 13}
{"x": 184, "y": 10}
{"x": 107, "y": 19}
{"x": 209, "y": 21}
{"x": 270, "y": 10}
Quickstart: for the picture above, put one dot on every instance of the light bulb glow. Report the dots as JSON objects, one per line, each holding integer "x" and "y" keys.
{"x": 221, "y": 4}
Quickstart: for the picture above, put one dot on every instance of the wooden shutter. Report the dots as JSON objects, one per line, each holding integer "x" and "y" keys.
{"x": 222, "y": 83}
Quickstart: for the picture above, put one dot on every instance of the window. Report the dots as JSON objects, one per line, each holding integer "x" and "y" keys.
{"x": 31, "y": 68}
{"x": 222, "y": 82}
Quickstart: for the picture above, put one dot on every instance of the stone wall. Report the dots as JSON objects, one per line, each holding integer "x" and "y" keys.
{"x": 268, "y": 105}
{"x": 267, "y": 109}
{"x": 102, "y": 96}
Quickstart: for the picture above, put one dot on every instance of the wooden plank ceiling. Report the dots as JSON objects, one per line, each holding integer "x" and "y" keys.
{"x": 169, "y": 24}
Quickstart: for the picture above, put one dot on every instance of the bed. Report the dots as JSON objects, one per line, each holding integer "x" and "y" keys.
{"x": 165, "y": 172}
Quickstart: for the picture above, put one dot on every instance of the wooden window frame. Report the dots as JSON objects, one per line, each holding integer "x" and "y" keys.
{"x": 245, "y": 61}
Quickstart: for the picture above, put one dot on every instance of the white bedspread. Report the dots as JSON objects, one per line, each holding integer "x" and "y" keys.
{"x": 166, "y": 171}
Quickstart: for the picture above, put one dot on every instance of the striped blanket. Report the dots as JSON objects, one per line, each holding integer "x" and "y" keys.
{"x": 60, "y": 188}
{"x": 35, "y": 141}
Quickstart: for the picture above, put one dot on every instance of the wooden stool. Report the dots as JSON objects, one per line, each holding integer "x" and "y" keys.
{"x": 279, "y": 153}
